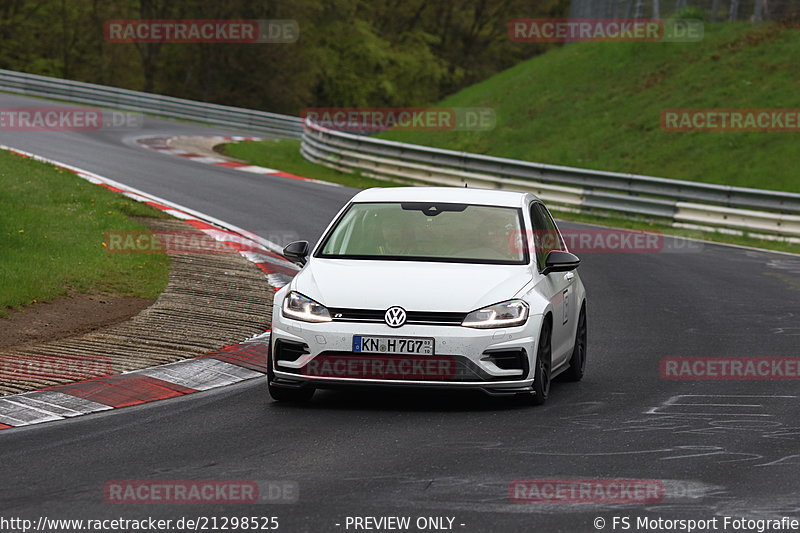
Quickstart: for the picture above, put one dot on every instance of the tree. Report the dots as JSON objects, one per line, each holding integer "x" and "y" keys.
{"x": 639, "y": 10}
{"x": 758, "y": 14}
{"x": 734, "y": 11}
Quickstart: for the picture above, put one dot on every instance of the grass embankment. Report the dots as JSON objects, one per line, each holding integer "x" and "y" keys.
{"x": 598, "y": 105}
{"x": 51, "y": 238}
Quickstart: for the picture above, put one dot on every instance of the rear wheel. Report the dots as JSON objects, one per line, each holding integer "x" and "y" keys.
{"x": 577, "y": 362}
{"x": 541, "y": 374}
{"x": 285, "y": 394}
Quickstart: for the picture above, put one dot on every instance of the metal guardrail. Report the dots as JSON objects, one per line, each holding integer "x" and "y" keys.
{"x": 575, "y": 189}
{"x": 155, "y": 104}
{"x": 681, "y": 202}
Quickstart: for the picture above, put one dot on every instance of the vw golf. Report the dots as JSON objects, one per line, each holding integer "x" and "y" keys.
{"x": 431, "y": 287}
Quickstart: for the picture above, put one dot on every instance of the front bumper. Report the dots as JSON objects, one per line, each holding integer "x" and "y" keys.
{"x": 320, "y": 355}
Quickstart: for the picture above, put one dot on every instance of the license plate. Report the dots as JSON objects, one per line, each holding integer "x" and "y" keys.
{"x": 393, "y": 345}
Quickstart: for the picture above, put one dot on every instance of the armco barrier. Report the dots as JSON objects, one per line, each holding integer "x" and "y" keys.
{"x": 682, "y": 202}
{"x": 155, "y": 104}
{"x": 567, "y": 188}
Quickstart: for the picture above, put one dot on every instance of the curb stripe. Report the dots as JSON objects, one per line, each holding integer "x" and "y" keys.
{"x": 16, "y": 413}
{"x": 269, "y": 268}
{"x": 156, "y": 205}
{"x": 199, "y": 224}
{"x": 231, "y": 364}
{"x": 201, "y": 374}
{"x": 256, "y": 169}
{"x": 252, "y": 356}
{"x": 254, "y": 365}
{"x": 292, "y": 176}
{"x": 125, "y": 390}
{"x": 63, "y": 404}
{"x": 161, "y": 144}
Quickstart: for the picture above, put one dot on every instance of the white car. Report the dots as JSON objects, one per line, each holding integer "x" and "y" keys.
{"x": 431, "y": 287}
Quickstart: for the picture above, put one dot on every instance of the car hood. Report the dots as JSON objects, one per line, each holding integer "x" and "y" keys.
{"x": 415, "y": 286}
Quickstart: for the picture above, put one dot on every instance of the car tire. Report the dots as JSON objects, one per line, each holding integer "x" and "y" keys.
{"x": 577, "y": 363}
{"x": 285, "y": 394}
{"x": 282, "y": 394}
{"x": 543, "y": 366}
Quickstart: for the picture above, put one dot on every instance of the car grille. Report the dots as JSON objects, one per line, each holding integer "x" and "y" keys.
{"x": 430, "y": 318}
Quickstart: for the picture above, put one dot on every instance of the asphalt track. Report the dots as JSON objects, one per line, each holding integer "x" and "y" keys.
{"x": 721, "y": 448}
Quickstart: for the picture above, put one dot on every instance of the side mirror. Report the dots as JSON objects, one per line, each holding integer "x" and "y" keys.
{"x": 560, "y": 261}
{"x": 296, "y": 251}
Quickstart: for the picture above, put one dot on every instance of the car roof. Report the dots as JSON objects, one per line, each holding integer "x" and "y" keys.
{"x": 457, "y": 195}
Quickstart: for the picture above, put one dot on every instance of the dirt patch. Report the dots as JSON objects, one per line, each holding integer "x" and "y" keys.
{"x": 212, "y": 300}
{"x": 67, "y": 316}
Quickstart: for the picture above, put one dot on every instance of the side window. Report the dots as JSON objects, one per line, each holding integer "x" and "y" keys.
{"x": 545, "y": 234}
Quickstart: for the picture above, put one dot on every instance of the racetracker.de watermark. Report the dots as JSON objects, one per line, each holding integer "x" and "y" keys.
{"x": 200, "y": 31}
{"x": 604, "y": 240}
{"x": 175, "y": 242}
{"x": 586, "y": 491}
{"x": 730, "y": 368}
{"x": 407, "y": 367}
{"x": 376, "y": 119}
{"x": 605, "y": 30}
{"x": 66, "y": 119}
{"x": 730, "y": 120}
{"x": 38, "y": 367}
{"x": 201, "y": 492}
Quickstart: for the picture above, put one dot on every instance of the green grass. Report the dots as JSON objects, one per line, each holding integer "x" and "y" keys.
{"x": 51, "y": 238}
{"x": 598, "y": 106}
{"x": 285, "y": 155}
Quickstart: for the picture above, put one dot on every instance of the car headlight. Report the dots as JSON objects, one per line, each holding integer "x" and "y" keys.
{"x": 505, "y": 314}
{"x": 300, "y": 307}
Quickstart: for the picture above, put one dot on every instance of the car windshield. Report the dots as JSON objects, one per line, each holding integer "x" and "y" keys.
{"x": 424, "y": 231}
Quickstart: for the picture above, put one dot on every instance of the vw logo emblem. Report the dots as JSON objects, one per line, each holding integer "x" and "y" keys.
{"x": 395, "y": 317}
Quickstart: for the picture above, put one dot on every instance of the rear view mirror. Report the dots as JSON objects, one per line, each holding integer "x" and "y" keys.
{"x": 560, "y": 261}
{"x": 296, "y": 251}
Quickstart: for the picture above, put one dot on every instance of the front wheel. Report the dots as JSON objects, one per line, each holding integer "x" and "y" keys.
{"x": 541, "y": 374}
{"x": 280, "y": 394}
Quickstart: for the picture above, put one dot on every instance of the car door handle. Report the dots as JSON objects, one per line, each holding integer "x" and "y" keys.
{"x": 569, "y": 276}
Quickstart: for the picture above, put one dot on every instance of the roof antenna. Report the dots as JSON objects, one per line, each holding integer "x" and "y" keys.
{"x": 466, "y": 185}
